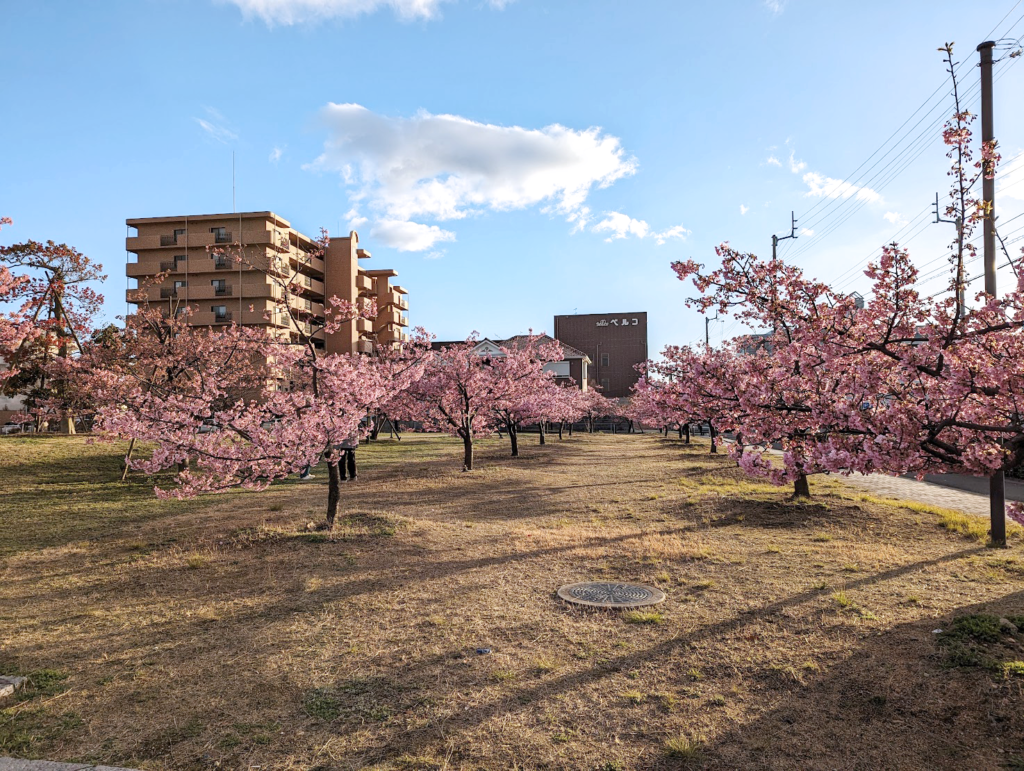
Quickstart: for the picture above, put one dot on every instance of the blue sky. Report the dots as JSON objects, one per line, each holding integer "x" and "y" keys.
{"x": 511, "y": 160}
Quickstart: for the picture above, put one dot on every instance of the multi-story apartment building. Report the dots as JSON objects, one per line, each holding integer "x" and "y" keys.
{"x": 224, "y": 266}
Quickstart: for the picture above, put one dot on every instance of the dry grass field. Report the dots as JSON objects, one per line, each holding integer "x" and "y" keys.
{"x": 219, "y": 633}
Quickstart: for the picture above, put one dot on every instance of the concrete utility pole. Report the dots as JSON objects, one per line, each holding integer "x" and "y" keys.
{"x": 792, "y": 234}
{"x": 707, "y": 331}
{"x": 997, "y": 492}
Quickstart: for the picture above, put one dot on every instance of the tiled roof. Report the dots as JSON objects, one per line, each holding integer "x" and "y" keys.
{"x": 517, "y": 342}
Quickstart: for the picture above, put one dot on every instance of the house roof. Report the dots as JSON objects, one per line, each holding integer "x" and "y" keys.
{"x": 517, "y": 342}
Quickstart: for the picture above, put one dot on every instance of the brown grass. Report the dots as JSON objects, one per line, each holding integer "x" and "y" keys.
{"x": 795, "y": 634}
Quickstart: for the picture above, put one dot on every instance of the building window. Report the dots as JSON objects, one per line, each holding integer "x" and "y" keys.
{"x": 179, "y": 285}
{"x": 604, "y": 359}
{"x": 179, "y": 232}
{"x": 220, "y": 286}
{"x": 220, "y": 312}
{"x": 604, "y": 384}
{"x": 179, "y": 258}
{"x": 220, "y": 235}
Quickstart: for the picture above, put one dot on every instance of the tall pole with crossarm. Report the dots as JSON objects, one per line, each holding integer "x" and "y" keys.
{"x": 997, "y": 492}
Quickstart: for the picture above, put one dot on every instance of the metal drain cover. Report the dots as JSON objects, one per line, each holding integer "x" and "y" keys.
{"x": 605, "y": 594}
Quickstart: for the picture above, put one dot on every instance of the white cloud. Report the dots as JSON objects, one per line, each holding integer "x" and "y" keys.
{"x": 216, "y": 127}
{"x": 621, "y": 225}
{"x": 275, "y": 154}
{"x": 354, "y": 218}
{"x": 446, "y": 167}
{"x": 1010, "y": 179}
{"x": 744, "y": 209}
{"x": 806, "y": 232}
{"x": 435, "y": 255}
{"x": 773, "y": 161}
{"x": 821, "y": 186}
{"x": 290, "y": 12}
{"x": 775, "y": 6}
{"x": 894, "y": 217}
{"x": 409, "y": 236}
{"x": 794, "y": 165}
{"x": 677, "y": 231}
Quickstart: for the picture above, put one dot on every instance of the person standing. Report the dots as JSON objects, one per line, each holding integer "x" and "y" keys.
{"x": 348, "y": 457}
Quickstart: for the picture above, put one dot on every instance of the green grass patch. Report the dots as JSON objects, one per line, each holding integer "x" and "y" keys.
{"x": 985, "y": 641}
{"x": 643, "y": 617}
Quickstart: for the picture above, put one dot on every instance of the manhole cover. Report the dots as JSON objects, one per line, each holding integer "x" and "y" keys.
{"x": 603, "y": 594}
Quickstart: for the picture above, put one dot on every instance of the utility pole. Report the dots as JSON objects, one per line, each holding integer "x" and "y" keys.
{"x": 707, "y": 332}
{"x": 792, "y": 233}
{"x": 997, "y": 492}
{"x": 960, "y": 293}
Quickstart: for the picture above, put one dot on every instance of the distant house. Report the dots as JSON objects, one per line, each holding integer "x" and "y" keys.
{"x": 571, "y": 370}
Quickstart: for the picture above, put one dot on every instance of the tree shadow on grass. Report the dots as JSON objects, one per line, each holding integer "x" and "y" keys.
{"x": 893, "y": 703}
{"x": 666, "y": 654}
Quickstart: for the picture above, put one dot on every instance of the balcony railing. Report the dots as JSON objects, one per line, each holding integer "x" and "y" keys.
{"x": 165, "y": 293}
{"x": 222, "y": 318}
{"x": 222, "y": 238}
{"x": 222, "y": 264}
{"x": 279, "y": 242}
{"x": 222, "y": 291}
{"x": 165, "y": 266}
{"x": 168, "y": 240}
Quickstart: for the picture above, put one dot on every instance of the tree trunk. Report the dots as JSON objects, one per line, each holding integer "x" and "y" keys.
{"x": 333, "y": 492}
{"x": 680, "y": 430}
{"x": 127, "y": 459}
{"x": 467, "y": 445}
{"x": 561, "y": 425}
{"x": 570, "y": 428}
{"x": 711, "y": 430}
{"x": 686, "y": 432}
{"x": 67, "y": 424}
{"x": 376, "y": 427}
{"x": 396, "y": 425}
{"x": 801, "y": 489}
{"x": 540, "y": 430}
{"x": 514, "y": 437}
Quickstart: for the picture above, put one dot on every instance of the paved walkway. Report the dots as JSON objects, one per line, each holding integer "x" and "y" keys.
{"x": 922, "y": 492}
{"x": 16, "y": 764}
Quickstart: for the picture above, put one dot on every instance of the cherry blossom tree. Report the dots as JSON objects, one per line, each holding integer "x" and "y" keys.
{"x": 58, "y": 305}
{"x": 241, "y": 406}
{"x": 13, "y": 326}
{"x": 904, "y": 384}
{"x": 593, "y": 406}
{"x": 468, "y": 395}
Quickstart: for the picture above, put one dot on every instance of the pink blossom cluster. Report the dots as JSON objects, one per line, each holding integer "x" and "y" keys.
{"x": 904, "y": 384}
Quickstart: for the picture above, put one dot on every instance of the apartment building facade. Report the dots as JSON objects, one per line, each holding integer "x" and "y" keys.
{"x": 228, "y": 268}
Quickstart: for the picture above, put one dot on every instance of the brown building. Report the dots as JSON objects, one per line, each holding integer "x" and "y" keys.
{"x": 222, "y": 289}
{"x": 614, "y": 342}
